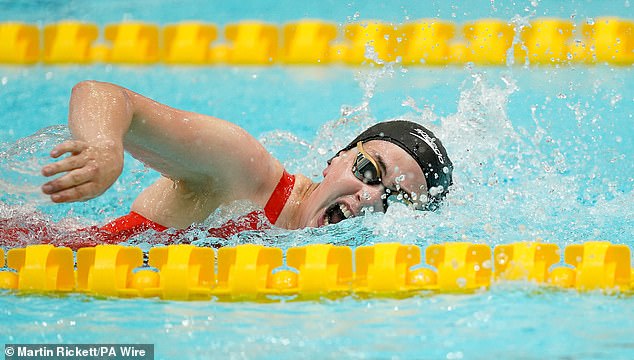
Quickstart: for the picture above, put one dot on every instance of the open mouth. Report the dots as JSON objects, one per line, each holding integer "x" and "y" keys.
{"x": 337, "y": 212}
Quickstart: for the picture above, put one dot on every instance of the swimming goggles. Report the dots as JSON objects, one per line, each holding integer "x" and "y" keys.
{"x": 367, "y": 170}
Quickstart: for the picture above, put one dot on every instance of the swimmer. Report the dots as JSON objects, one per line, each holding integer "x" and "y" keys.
{"x": 206, "y": 162}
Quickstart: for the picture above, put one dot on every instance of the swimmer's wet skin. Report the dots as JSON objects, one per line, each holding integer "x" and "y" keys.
{"x": 393, "y": 160}
{"x": 366, "y": 170}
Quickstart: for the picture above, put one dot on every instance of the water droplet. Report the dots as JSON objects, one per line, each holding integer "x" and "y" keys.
{"x": 436, "y": 190}
{"x": 615, "y": 99}
{"x": 454, "y": 355}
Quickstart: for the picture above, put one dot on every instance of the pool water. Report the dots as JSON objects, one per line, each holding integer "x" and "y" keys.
{"x": 539, "y": 153}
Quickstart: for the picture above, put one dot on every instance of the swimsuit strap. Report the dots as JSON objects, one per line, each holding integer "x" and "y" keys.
{"x": 279, "y": 197}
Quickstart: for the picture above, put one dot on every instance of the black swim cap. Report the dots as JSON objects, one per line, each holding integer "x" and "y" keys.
{"x": 422, "y": 145}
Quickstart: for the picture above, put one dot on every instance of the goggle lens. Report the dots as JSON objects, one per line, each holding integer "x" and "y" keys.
{"x": 366, "y": 171}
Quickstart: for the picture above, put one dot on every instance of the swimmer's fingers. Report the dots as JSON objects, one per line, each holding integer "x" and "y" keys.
{"x": 68, "y": 164}
{"x": 73, "y": 179}
{"x": 81, "y": 192}
{"x": 78, "y": 158}
{"x": 87, "y": 173}
{"x": 71, "y": 146}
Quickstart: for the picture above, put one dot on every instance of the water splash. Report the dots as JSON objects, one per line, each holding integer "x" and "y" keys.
{"x": 511, "y": 182}
{"x": 519, "y": 23}
{"x": 22, "y": 161}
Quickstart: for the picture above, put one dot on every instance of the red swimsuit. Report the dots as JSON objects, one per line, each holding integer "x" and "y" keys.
{"x": 133, "y": 224}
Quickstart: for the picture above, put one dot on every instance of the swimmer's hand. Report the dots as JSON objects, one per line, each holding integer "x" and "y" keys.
{"x": 88, "y": 172}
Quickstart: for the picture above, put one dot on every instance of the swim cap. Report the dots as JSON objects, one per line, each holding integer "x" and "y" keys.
{"x": 422, "y": 145}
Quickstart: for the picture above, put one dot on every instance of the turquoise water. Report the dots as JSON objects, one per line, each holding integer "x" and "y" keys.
{"x": 222, "y": 12}
{"x": 511, "y": 323}
{"x": 540, "y": 153}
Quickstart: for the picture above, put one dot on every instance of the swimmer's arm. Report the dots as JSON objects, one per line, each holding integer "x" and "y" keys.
{"x": 208, "y": 155}
{"x": 202, "y": 152}
{"x": 99, "y": 116}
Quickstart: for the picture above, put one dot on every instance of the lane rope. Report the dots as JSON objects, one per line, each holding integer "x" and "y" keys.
{"x": 429, "y": 42}
{"x": 253, "y": 272}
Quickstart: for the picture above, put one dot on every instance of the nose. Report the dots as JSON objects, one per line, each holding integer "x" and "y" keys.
{"x": 371, "y": 196}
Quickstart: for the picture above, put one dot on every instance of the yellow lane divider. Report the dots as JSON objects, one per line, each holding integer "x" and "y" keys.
{"x": 423, "y": 42}
{"x": 252, "y": 272}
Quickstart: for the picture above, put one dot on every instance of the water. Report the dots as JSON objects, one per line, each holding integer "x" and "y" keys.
{"x": 540, "y": 153}
{"x": 517, "y": 322}
{"x": 222, "y": 12}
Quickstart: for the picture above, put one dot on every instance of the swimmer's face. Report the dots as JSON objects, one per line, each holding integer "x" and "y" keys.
{"x": 351, "y": 185}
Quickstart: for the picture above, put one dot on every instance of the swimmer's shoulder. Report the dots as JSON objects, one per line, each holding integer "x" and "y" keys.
{"x": 172, "y": 204}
